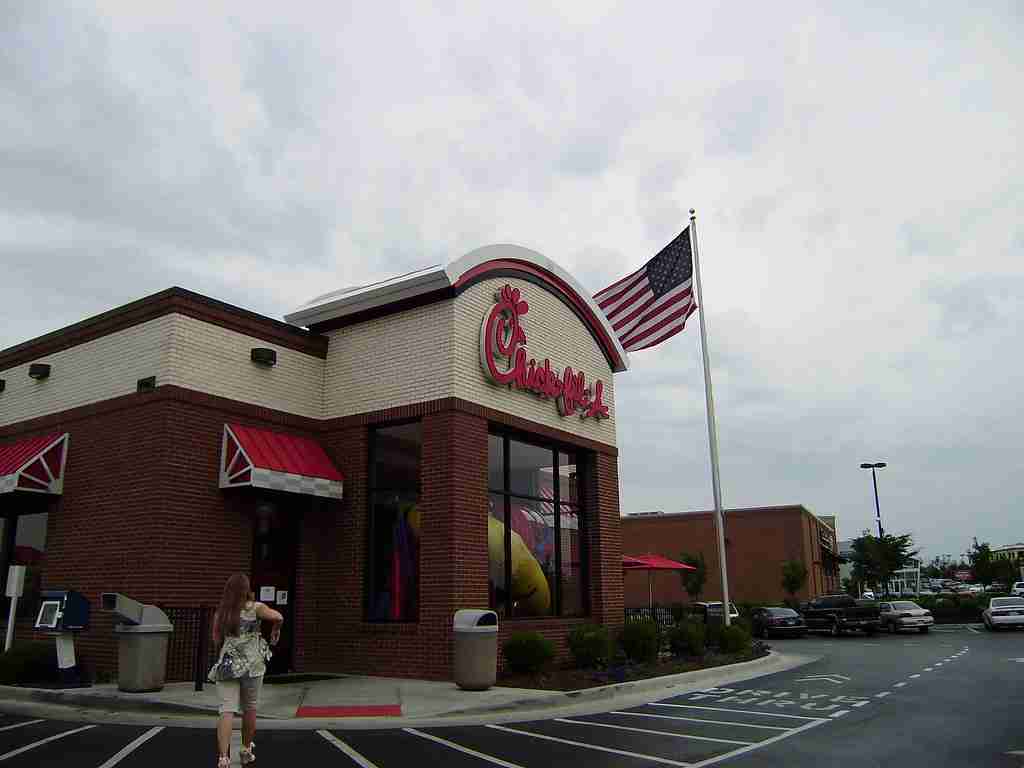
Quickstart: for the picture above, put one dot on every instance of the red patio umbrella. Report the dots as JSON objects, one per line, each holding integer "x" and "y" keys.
{"x": 651, "y": 563}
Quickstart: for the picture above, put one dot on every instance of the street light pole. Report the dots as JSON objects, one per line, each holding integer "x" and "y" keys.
{"x": 874, "y": 480}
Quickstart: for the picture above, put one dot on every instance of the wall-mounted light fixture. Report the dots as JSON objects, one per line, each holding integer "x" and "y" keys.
{"x": 147, "y": 384}
{"x": 39, "y": 371}
{"x": 264, "y": 356}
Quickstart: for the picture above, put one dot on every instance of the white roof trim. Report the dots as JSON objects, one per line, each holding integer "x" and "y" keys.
{"x": 330, "y": 306}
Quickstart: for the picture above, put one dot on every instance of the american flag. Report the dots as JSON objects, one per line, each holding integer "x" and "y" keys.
{"x": 652, "y": 304}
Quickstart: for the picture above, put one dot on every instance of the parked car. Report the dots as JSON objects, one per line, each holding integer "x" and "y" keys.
{"x": 905, "y": 614}
{"x": 777, "y": 621}
{"x": 839, "y": 613}
{"x": 997, "y": 587}
{"x": 975, "y": 589}
{"x": 1004, "y": 612}
{"x": 868, "y": 595}
{"x": 702, "y": 610}
{"x": 1018, "y": 589}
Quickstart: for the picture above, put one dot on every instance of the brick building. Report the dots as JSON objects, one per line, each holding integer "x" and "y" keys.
{"x": 392, "y": 453}
{"x": 758, "y": 542}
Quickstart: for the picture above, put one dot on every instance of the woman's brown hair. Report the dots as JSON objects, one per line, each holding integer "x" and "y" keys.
{"x": 236, "y": 595}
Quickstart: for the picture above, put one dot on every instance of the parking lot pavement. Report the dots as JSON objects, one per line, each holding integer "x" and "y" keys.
{"x": 946, "y": 698}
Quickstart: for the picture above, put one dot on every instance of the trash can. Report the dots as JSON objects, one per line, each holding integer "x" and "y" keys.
{"x": 476, "y": 649}
{"x": 142, "y": 652}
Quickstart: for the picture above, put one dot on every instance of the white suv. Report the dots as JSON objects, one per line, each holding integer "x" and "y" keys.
{"x": 1018, "y": 589}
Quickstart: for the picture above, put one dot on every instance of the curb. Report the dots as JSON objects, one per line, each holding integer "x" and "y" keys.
{"x": 75, "y": 698}
{"x": 660, "y": 687}
{"x": 614, "y": 690}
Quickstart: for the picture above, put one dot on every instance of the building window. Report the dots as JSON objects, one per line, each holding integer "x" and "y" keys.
{"x": 23, "y": 542}
{"x": 536, "y": 539}
{"x": 393, "y": 568}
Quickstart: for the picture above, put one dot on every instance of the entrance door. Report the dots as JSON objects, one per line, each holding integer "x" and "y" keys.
{"x": 274, "y": 554}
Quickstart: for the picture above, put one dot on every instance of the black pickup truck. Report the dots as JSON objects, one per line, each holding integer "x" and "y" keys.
{"x": 838, "y": 613}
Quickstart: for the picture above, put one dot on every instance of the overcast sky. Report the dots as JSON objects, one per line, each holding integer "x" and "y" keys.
{"x": 857, "y": 176}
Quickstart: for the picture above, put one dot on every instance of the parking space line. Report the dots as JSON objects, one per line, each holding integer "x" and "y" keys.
{"x": 914, "y": 677}
{"x": 840, "y": 713}
{"x": 972, "y": 629}
{"x": 47, "y": 740}
{"x": 881, "y": 695}
{"x": 737, "y": 711}
{"x": 758, "y": 745}
{"x": 652, "y": 733}
{"x": 357, "y": 758}
{"x": 129, "y": 748}
{"x": 699, "y": 720}
{"x": 570, "y": 742}
{"x": 20, "y": 725}
{"x": 898, "y": 685}
{"x": 928, "y": 669}
{"x": 460, "y": 748}
{"x": 861, "y": 703}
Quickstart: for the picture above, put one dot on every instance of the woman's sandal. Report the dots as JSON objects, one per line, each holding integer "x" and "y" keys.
{"x": 247, "y": 756}
{"x": 224, "y": 761}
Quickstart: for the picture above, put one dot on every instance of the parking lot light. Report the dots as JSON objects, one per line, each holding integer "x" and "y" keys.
{"x": 874, "y": 478}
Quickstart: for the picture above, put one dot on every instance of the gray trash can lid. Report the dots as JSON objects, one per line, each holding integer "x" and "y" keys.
{"x": 153, "y": 620}
{"x": 472, "y": 620}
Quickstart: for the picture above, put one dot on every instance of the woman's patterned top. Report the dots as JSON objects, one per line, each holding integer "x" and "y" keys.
{"x": 245, "y": 654}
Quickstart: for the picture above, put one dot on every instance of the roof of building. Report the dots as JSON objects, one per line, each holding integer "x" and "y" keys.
{"x": 693, "y": 512}
{"x": 444, "y": 280}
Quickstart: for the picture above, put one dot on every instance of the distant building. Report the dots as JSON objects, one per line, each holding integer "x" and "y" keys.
{"x": 1010, "y": 551}
{"x": 758, "y": 542}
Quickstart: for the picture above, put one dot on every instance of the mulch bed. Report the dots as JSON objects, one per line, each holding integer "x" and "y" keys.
{"x": 571, "y": 679}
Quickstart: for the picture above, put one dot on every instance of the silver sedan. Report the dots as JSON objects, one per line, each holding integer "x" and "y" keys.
{"x": 905, "y": 614}
{"x": 1004, "y": 612}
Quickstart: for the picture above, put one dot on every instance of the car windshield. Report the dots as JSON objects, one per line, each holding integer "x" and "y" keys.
{"x": 906, "y": 606}
{"x": 1006, "y": 602}
{"x": 782, "y": 612}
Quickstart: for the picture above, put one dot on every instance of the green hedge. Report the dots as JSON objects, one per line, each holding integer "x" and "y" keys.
{"x": 640, "y": 641}
{"x": 687, "y": 639}
{"x": 734, "y": 639}
{"x": 527, "y": 652}
{"x": 590, "y": 646}
{"x": 955, "y": 609}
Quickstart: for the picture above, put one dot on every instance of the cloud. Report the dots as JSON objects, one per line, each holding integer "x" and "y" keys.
{"x": 857, "y": 177}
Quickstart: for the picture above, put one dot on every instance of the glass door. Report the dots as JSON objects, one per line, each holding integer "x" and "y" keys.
{"x": 275, "y": 542}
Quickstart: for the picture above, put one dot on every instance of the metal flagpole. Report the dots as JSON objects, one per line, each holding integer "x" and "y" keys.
{"x": 712, "y": 427}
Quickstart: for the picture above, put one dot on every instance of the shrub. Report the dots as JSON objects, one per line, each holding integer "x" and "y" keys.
{"x": 590, "y": 646}
{"x": 713, "y": 632}
{"x": 28, "y": 663}
{"x": 687, "y": 639}
{"x": 734, "y": 639}
{"x": 678, "y": 612}
{"x": 640, "y": 641}
{"x": 527, "y": 652}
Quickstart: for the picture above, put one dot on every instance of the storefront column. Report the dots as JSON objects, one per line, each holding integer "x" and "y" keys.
{"x": 602, "y": 500}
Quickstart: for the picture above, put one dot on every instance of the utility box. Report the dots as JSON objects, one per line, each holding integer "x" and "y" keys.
{"x": 476, "y": 649}
{"x": 143, "y": 634}
{"x": 62, "y": 610}
{"x": 62, "y": 614}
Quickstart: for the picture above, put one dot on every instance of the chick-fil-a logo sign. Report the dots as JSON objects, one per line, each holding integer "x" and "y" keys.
{"x": 503, "y": 357}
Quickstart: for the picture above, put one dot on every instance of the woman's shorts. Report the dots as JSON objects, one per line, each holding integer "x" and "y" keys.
{"x": 238, "y": 696}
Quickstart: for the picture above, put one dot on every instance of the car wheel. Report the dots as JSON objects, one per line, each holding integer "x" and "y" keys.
{"x": 923, "y": 630}
{"x": 835, "y": 631}
{"x": 988, "y": 626}
{"x": 870, "y": 631}
{"x": 890, "y": 627}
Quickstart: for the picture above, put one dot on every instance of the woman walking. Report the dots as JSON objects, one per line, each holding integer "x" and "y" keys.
{"x": 241, "y": 663}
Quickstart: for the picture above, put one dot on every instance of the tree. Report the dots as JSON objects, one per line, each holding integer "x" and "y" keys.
{"x": 794, "y": 576}
{"x": 876, "y": 559}
{"x": 1005, "y": 572}
{"x": 982, "y": 563}
{"x": 693, "y": 581}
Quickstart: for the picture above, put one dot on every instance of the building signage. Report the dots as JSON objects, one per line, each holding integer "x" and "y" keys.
{"x": 503, "y": 357}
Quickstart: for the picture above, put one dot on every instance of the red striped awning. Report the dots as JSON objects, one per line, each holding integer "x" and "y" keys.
{"x": 35, "y": 464}
{"x": 260, "y": 458}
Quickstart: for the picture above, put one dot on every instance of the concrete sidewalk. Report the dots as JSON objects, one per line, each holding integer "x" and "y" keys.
{"x": 377, "y": 702}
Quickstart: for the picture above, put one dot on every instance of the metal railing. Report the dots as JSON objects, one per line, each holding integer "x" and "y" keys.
{"x": 661, "y": 615}
{"x": 190, "y": 653}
